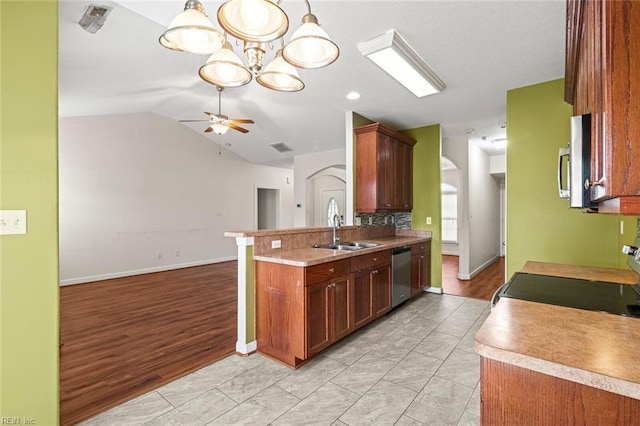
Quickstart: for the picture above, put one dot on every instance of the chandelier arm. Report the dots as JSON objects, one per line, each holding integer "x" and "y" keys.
{"x": 308, "y": 6}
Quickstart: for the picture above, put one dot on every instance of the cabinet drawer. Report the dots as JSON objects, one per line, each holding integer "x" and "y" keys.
{"x": 370, "y": 260}
{"x": 326, "y": 271}
{"x": 419, "y": 248}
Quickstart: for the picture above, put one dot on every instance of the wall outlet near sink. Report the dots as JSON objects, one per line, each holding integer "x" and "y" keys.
{"x": 276, "y": 244}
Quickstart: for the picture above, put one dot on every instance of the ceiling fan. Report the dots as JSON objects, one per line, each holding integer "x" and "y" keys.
{"x": 220, "y": 123}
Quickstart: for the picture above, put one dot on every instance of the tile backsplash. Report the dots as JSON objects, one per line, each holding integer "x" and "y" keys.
{"x": 400, "y": 220}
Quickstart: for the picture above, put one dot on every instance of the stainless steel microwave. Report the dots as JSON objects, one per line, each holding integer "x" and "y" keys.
{"x": 574, "y": 164}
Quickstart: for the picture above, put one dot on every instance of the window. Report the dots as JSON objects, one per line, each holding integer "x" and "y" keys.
{"x": 449, "y": 213}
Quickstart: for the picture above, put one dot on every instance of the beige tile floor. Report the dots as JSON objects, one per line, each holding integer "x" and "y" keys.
{"x": 415, "y": 366}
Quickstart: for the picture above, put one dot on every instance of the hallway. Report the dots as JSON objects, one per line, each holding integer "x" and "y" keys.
{"x": 482, "y": 286}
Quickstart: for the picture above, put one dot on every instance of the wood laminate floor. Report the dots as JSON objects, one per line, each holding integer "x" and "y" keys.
{"x": 482, "y": 286}
{"x": 126, "y": 336}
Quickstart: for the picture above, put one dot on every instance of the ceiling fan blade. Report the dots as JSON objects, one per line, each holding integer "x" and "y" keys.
{"x": 241, "y": 120}
{"x": 238, "y": 128}
{"x": 208, "y": 129}
{"x": 210, "y": 114}
{"x": 193, "y": 121}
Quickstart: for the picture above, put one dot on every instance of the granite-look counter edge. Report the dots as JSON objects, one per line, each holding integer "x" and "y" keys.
{"x": 313, "y": 256}
{"x": 595, "y": 349}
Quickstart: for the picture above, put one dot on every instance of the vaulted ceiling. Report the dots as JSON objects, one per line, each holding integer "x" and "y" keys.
{"x": 480, "y": 49}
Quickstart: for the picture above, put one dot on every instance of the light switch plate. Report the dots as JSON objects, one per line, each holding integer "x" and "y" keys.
{"x": 13, "y": 222}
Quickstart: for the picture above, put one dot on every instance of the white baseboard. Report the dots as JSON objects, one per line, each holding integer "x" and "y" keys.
{"x": 436, "y": 290}
{"x": 478, "y": 269}
{"x": 101, "y": 277}
{"x": 451, "y": 249}
{"x": 246, "y": 348}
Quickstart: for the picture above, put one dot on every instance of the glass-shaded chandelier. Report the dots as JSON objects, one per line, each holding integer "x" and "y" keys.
{"x": 255, "y": 23}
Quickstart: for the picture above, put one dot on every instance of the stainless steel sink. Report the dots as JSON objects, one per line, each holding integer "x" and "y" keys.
{"x": 348, "y": 246}
{"x": 360, "y": 244}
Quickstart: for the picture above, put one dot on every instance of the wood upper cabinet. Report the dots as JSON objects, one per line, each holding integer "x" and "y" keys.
{"x": 420, "y": 267}
{"x": 384, "y": 170}
{"x": 602, "y": 77}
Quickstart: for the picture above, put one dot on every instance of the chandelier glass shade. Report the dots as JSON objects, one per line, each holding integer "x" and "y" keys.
{"x": 310, "y": 46}
{"x": 191, "y": 31}
{"x": 254, "y": 23}
{"x": 225, "y": 69}
{"x": 253, "y": 20}
{"x": 280, "y": 75}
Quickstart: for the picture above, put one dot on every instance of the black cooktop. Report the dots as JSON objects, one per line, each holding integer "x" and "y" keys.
{"x": 619, "y": 299}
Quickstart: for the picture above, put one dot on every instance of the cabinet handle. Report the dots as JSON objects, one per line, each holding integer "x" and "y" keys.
{"x": 374, "y": 272}
{"x": 421, "y": 257}
{"x": 332, "y": 285}
{"x": 588, "y": 183}
{"x": 406, "y": 205}
{"x": 375, "y": 259}
{"x": 332, "y": 270}
{"x": 388, "y": 205}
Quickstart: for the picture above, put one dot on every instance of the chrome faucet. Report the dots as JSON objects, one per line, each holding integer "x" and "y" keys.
{"x": 336, "y": 225}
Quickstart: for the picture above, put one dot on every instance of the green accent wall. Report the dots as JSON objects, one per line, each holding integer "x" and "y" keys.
{"x": 251, "y": 296}
{"x": 540, "y": 226}
{"x": 427, "y": 199}
{"x": 29, "y": 291}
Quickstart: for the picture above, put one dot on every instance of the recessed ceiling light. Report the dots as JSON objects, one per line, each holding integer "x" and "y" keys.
{"x": 352, "y": 96}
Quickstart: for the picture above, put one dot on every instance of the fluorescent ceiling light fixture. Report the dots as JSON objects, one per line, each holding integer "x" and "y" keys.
{"x": 391, "y": 53}
{"x": 499, "y": 143}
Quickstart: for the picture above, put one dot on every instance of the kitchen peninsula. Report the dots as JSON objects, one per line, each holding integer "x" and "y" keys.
{"x": 547, "y": 364}
{"x": 307, "y": 298}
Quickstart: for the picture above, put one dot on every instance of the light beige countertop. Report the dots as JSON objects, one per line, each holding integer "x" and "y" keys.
{"x": 596, "y": 349}
{"x": 309, "y": 256}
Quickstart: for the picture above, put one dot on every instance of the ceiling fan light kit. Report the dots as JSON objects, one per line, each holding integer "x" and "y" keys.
{"x": 255, "y": 23}
{"x": 220, "y": 123}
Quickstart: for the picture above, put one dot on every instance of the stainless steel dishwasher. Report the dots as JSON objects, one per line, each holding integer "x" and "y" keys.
{"x": 400, "y": 275}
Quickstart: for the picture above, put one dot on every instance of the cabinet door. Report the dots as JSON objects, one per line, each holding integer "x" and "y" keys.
{"x": 362, "y": 298}
{"x": 381, "y": 286}
{"x": 404, "y": 177}
{"x": 416, "y": 264}
{"x": 341, "y": 300}
{"x": 425, "y": 269}
{"x": 317, "y": 318}
{"x": 386, "y": 179}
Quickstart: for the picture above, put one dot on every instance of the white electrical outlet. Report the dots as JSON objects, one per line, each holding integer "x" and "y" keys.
{"x": 13, "y": 222}
{"x": 370, "y": 221}
{"x": 276, "y": 244}
{"x": 358, "y": 221}
{"x": 429, "y": 220}
{"x": 393, "y": 220}
{"x": 385, "y": 220}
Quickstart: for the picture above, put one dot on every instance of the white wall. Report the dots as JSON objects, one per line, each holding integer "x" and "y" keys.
{"x": 134, "y": 186}
{"x": 457, "y": 151}
{"x": 452, "y": 177}
{"x": 484, "y": 211}
{"x": 305, "y": 166}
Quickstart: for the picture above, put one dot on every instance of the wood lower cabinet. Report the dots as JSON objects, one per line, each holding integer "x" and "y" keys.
{"x": 328, "y": 317}
{"x": 300, "y": 311}
{"x": 511, "y": 395}
{"x": 420, "y": 267}
{"x": 371, "y": 286}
